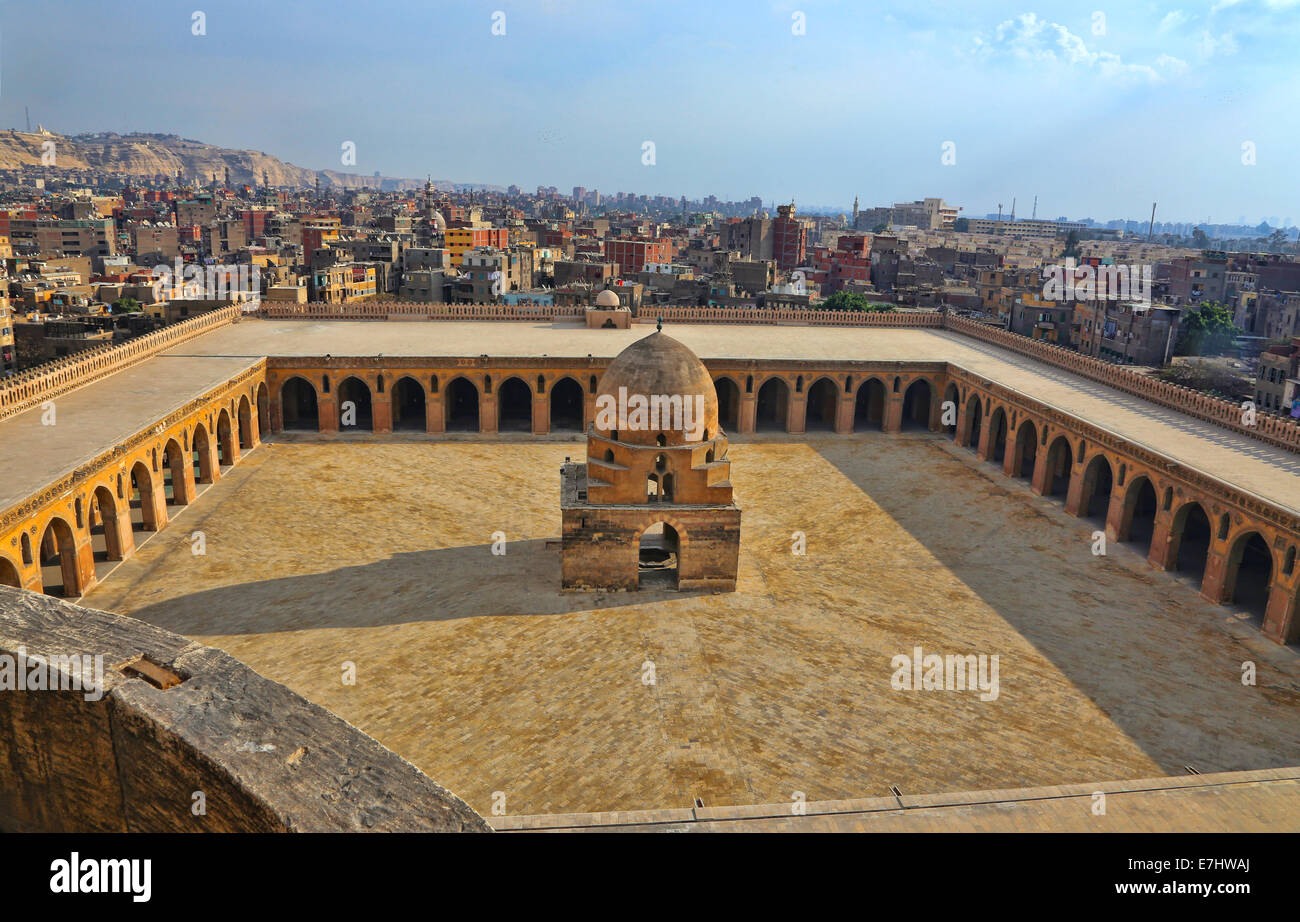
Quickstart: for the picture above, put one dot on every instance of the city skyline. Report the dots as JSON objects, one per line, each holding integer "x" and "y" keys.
{"x": 560, "y": 99}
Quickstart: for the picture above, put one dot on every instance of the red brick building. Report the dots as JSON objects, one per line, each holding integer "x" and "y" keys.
{"x": 633, "y": 253}
{"x": 789, "y": 238}
{"x": 849, "y": 261}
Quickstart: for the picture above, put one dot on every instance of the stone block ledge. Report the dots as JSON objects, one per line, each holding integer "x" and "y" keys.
{"x": 264, "y": 758}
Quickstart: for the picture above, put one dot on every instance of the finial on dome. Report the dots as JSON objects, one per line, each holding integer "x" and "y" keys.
{"x": 659, "y": 327}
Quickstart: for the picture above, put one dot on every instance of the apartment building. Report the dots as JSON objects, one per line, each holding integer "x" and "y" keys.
{"x": 342, "y": 283}
{"x": 1029, "y": 230}
{"x": 1277, "y": 384}
{"x": 789, "y": 239}
{"x": 1129, "y": 333}
{"x": 633, "y": 253}
{"x": 460, "y": 240}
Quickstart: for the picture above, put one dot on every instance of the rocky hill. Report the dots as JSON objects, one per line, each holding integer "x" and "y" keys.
{"x": 163, "y": 154}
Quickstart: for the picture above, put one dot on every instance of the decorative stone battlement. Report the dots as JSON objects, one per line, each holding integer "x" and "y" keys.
{"x": 1275, "y": 430}
{"x": 793, "y": 317}
{"x": 389, "y": 310}
{"x": 37, "y": 385}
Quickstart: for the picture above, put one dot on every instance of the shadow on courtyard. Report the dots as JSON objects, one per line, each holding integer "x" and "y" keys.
{"x": 1171, "y": 684}
{"x": 435, "y": 585}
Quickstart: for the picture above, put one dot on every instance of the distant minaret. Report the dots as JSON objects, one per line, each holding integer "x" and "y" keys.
{"x": 227, "y": 177}
{"x": 266, "y": 184}
{"x": 855, "y": 211}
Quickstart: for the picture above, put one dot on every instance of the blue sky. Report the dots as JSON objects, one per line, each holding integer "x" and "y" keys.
{"x": 1096, "y": 116}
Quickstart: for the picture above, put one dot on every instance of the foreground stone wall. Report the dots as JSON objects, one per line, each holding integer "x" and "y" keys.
{"x": 265, "y": 759}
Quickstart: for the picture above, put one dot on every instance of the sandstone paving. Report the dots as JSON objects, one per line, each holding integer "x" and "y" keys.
{"x": 483, "y": 673}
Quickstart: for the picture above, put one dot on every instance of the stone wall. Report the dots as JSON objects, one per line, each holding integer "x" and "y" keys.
{"x": 791, "y": 317}
{"x": 601, "y": 545}
{"x": 264, "y": 758}
{"x": 405, "y": 310}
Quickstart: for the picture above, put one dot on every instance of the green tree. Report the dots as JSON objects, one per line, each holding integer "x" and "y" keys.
{"x": 126, "y": 306}
{"x": 1208, "y": 330}
{"x": 961, "y": 225}
{"x": 851, "y": 301}
{"x": 1200, "y": 239}
{"x": 1072, "y": 244}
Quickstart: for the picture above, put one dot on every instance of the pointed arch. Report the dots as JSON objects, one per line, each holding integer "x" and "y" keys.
{"x": 409, "y": 409}
{"x": 461, "y": 406}
{"x": 869, "y": 406}
{"x": 298, "y": 404}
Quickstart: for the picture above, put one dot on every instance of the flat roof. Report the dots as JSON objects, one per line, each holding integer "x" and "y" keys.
{"x": 96, "y": 417}
{"x": 1252, "y": 465}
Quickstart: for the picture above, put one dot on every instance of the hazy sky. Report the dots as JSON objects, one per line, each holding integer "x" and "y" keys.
{"x": 1096, "y": 117}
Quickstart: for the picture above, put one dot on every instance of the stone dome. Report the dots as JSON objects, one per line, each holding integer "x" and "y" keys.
{"x": 659, "y": 365}
{"x": 607, "y": 298}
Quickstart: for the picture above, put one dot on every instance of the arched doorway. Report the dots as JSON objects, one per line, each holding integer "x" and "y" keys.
{"x": 408, "y": 405}
{"x": 1249, "y": 576}
{"x": 917, "y": 401}
{"x": 175, "y": 487}
{"x": 728, "y": 404}
{"x": 998, "y": 436}
{"x": 355, "y": 411}
{"x": 298, "y": 404}
{"x": 772, "y": 411}
{"x": 1190, "y": 534}
{"x": 144, "y": 515}
{"x": 1098, "y": 481}
{"x": 225, "y": 441}
{"x": 514, "y": 406}
{"x": 566, "y": 406}
{"x": 869, "y": 406}
{"x": 9, "y": 574}
{"x": 105, "y": 527}
{"x": 1026, "y": 451}
{"x": 974, "y": 423}
{"x": 202, "y": 453}
{"x": 263, "y": 410}
{"x": 1137, "y": 523}
{"x": 658, "y": 557}
{"x": 819, "y": 410}
{"x": 1057, "y": 482}
{"x": 245, "y": 418}
{"x": 462, "y": 406}
{"x": 58, "y": 549}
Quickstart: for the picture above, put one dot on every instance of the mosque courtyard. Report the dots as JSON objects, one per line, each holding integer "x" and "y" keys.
{"x": 326, "y": 557}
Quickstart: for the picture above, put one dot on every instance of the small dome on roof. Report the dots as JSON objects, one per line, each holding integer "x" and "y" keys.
{"x": 607, "y": 298}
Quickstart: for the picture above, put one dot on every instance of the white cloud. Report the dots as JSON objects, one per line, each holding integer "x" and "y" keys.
{"x": 1173, "y": 20}
{"x": 1209, "y": 46}
{"x": 1171, "y": 65}
{"x": 1028, "y": 38}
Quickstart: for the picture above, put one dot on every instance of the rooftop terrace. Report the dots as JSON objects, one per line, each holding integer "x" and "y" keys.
{"x": 92, "y": 419}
